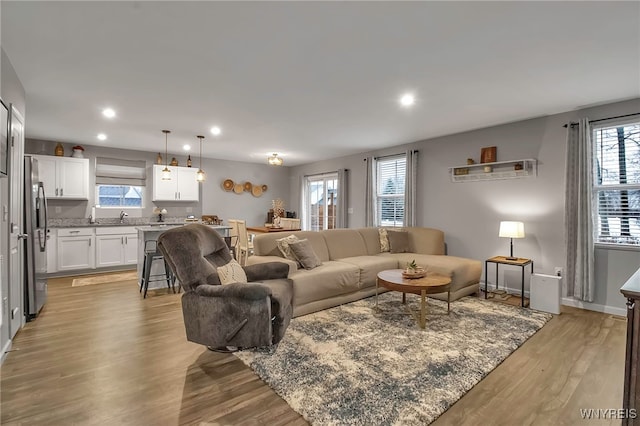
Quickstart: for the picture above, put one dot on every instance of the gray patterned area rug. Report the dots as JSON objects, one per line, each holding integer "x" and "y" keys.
{"x": 349, "y": 365}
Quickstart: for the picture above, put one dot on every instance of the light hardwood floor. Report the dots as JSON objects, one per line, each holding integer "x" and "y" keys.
{"x": 101, "y": 355}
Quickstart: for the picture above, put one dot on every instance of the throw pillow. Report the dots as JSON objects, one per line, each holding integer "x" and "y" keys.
{"x": 304, "y": 253}
{"x": 283, "y": 246}
{"x": 384, "y": 240}
{"x": 398, "y": 241}
{"x": 232, "y": 272}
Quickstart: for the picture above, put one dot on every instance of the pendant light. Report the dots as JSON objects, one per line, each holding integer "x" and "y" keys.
{"x": 275, "y": 160}
{"x": 166, "y": 173}
{"x": 200, "y": 175}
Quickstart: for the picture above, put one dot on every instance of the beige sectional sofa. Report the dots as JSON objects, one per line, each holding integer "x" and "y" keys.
{"x": 351, "y": 260}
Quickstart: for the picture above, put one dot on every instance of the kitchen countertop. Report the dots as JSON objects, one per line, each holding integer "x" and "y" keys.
{"x": 174, "y": 225}
{"x": 101, "y": 225}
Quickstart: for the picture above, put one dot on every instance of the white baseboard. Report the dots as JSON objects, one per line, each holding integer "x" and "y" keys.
{"x": 568, "y": 301}
{"x": 5, "y": 350}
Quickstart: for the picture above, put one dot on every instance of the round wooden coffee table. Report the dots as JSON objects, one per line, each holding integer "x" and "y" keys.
{"x": 431, "y": 284}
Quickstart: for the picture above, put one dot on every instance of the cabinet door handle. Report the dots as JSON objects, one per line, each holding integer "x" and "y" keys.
{"x": 89, "y": 242}
{"x": 73, "y": 232}
{"x": 61, "y": 189}
{"x": 56, "y": 192}
{"x": 122, "y": 240}
{"x": 126, "y": 240}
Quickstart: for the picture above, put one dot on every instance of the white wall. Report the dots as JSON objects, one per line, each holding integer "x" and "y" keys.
{"x": 470, "y": 213}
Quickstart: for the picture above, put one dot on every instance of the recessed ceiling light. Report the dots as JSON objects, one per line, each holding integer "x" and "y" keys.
{"x": 102, "y": 137}
{"x": 108, "y": 112}
{"x": 407, "y": 100}
{"x": 215, "y": 130}
{"x": 186, "y": 147}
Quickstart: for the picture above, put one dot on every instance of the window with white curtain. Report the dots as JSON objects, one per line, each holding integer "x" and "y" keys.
{"x": 322, "y": 201}
{"x": 616, "y": 186}
{"x": 120, "y": 183}
{"x": 391, "y": 175}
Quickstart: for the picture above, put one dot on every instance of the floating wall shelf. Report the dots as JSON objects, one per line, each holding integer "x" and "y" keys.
{"x": 498, "y": 170}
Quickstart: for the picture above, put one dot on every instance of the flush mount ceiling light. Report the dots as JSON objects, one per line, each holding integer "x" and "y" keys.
{"x": 102, "y": 137}
{"x": 274, "y": 160}
{"x": 166, "y": 173}
{"x": 200, "y": 175}
{"x": 215, "y": 131}
{"x": 109, "y": 113}
{"x": 407, "y": 100}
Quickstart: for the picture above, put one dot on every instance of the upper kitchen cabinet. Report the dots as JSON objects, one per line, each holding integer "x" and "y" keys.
{"x": 64, "y": 178}
{"x": 182, "y": 186}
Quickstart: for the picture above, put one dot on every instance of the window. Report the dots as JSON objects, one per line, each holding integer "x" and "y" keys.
{"x": 616, "y": 186}
{"x": 391, "y": 175}
{"x": 119, "y": 196}
{"x": 322, "y": 198}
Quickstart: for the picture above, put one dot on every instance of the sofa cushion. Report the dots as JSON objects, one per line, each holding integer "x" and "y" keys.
{"x": 303, "y": 252}
{"x": 384, "y": 240}
{"x": 462, "y": 271}
{"x": 426, "y": 240}
{"x": 371, "y": 239}
{"x": 283, "y": 246}
{"x": 398, "y": 241}
{"x": 232, "y": 272}
{"x": 344, "y": 243}
{"x": 265, "y": 244}
{"x": 370, "y": 266}
{"x": 330, "y": 279}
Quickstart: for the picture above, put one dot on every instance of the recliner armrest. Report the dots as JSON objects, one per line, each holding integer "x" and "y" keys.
{"x": 266, "y": 271}
{"x": 249, "y": 291}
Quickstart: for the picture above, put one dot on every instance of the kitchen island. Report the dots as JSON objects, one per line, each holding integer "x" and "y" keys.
{"x": 151, "y": 233}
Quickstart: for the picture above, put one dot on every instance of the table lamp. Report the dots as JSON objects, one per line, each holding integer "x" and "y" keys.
{"x": 511, "y": 230}
{"x": 160, "y": 212}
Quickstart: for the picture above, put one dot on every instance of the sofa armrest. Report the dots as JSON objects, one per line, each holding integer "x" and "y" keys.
{"x": 266, "y": 271}
{"x": 254, "y": 260}
{"x": 249, "y": 291}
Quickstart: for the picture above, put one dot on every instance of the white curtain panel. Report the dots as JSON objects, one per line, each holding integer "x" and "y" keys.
{"x": 579, "y": 205}
{"x": 304, "y": 205}
{"x": 369, "y": 194}
{"x": 342, "y": 213}
{"x": 410, "y": 188}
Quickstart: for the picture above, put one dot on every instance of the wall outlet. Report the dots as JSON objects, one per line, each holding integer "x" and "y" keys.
{"x": 558, "y": 271}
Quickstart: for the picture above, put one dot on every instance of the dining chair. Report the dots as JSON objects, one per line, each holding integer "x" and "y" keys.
{"x": 235, "y": 239}
{"x": 290, "y": 223}
{"x": 245, "y": 244}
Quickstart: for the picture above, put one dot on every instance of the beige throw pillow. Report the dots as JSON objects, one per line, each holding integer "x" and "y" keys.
{"x": 398, "y": 241}
{"x": 232, "y": 272}
{"x": 304, "y": 253}
{"x": 384, "y": 240}
{"x": 283, "y": 246}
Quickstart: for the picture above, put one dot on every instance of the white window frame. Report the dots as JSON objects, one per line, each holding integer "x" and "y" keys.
{"x": 615, "y": 239}
{"x": 142, "y": 197}
{"x": 380, "y": 196}
{"x": 325, "y": 177}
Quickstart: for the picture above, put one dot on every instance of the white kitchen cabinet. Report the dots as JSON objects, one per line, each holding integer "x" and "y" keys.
{"x": 64, "y": 178}
{"x": 182, "y": 186}
{"x": 116, "y": 246}
{"x": 76, "y": 248}
{"x": 52, "y": 251}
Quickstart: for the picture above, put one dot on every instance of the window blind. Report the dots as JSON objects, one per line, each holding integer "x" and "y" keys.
{"x": 115, "y": 171}
{"x": 617, "y": 184}
{"x": 391, "y": 175}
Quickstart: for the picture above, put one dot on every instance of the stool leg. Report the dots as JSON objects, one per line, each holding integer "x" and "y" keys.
{"x": 144, "y": 264}
{"x": 148, "y": 260}
{"x": 168, "y": 274}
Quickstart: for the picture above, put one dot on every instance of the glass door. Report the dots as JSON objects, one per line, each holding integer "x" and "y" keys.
{"x": 322, "y": 196}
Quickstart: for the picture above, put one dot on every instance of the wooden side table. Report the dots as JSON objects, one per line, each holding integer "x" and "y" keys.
{"x": 502, "y": 260}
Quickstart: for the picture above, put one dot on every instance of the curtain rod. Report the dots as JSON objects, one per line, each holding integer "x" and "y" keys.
{"x": 601, "y": 119}
{"x": 415, "y": 151}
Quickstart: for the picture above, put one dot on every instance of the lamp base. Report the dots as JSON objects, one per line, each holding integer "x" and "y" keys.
{"x": 511, "y": 258}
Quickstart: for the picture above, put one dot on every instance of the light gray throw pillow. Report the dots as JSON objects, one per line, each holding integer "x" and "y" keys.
{"x": 303, "y": 251}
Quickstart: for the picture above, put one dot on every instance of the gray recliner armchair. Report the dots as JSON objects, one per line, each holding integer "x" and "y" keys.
{"x": 240, "y": 315}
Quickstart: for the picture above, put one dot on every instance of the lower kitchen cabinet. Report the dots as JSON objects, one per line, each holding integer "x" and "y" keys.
{"x": 76, "y": 249}
{"x": 116, "y": 246}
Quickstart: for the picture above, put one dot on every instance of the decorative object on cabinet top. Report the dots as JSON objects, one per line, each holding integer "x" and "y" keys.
{"x": 174, "y": 162}
{"x": 59, "y": 150}
{"x": 78, "y": 151}
{"x": 255, "y": 190}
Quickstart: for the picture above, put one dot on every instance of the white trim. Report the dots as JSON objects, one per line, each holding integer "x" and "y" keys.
{"x": 568, "y": 301}
{"x": 6, "y": 350}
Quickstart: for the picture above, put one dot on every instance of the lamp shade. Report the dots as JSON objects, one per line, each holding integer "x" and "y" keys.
{"x": 511, "y": 229}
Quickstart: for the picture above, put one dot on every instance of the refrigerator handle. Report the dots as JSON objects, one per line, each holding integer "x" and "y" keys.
{"x": 44, "y": 206}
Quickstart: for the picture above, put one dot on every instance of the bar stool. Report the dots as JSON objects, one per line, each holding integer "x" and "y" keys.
{"x": 151, "y": 253}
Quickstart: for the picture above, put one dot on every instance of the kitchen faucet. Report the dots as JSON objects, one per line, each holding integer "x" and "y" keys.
{"x": 122, "y": 216}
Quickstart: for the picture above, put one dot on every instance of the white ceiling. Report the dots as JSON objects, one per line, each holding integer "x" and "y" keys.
{"x": 310, "y": 80}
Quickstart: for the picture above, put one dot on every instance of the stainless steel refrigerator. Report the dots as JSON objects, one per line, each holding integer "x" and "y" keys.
{"x": 35, "y": 226}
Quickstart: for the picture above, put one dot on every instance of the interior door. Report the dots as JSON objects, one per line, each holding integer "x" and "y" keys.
{"x": 16, "y": 214}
